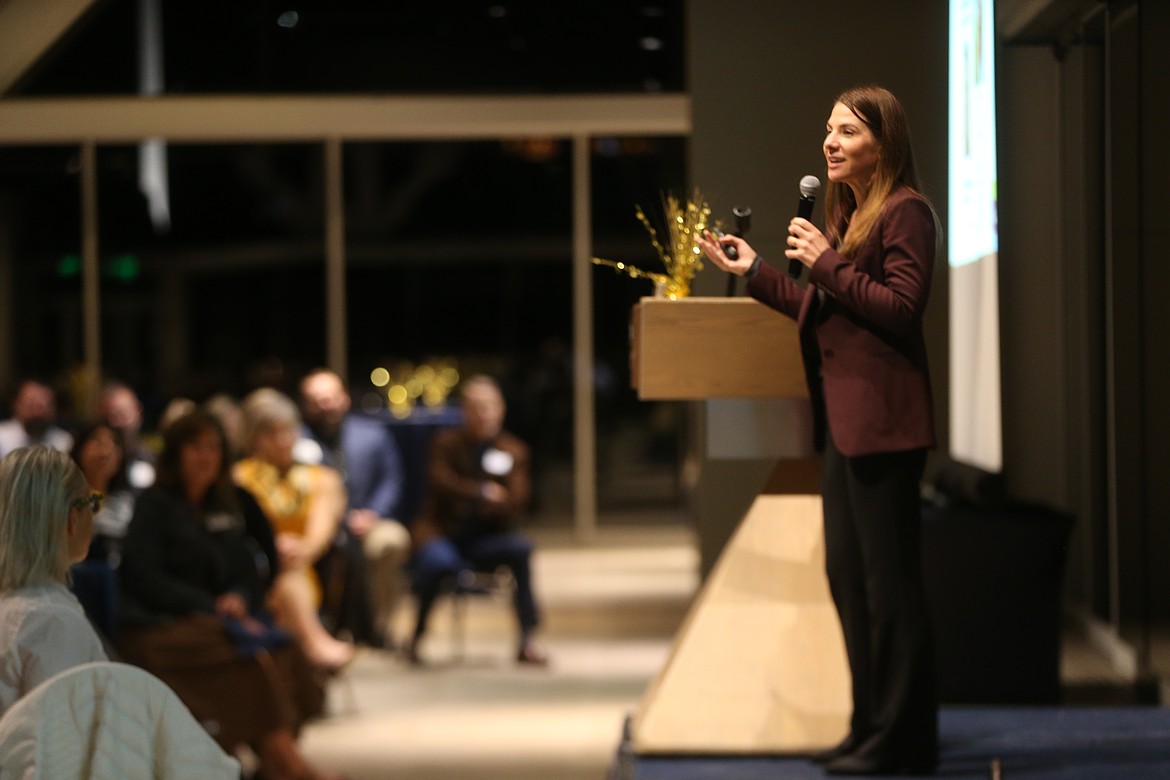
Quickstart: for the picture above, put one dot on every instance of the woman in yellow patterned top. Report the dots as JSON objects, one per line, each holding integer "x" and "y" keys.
{"x": 305, "y": 504}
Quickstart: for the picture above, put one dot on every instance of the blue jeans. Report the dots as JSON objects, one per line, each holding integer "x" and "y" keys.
{"x": 442, "y": 557}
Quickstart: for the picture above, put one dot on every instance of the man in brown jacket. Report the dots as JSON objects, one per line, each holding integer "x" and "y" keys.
{"x": 478, "y": 484}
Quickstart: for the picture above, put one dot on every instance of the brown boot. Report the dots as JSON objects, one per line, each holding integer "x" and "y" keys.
{"x": 281, "y": 759}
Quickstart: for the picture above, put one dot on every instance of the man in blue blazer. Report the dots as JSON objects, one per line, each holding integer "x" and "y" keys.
{"x": 372, "y": 547}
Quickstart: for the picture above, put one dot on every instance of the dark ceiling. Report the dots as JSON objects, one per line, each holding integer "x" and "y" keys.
{"x": 248, "y": 218}
{"x": 440, "y": 46}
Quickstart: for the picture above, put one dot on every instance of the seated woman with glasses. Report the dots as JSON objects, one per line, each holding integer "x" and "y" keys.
{"x": 46, "y": 523}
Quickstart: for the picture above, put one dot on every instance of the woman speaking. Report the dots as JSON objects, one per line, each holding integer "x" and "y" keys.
{"x": 860, "y": 324}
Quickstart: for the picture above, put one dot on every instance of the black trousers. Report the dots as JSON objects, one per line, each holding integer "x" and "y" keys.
{"x": 345, "y": 579}
{"x": 873, "y": 561}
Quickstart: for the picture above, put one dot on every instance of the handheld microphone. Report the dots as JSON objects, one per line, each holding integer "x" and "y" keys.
{"x": 810, "y": 187}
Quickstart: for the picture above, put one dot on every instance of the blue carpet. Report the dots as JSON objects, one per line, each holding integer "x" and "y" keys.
{"x": 1030, "y": 743}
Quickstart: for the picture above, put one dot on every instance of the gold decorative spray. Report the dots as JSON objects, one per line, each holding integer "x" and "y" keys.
{"x": 682, "y": 257}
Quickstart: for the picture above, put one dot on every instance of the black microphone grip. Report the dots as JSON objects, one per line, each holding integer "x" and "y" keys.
{"x": 804, "y": 210}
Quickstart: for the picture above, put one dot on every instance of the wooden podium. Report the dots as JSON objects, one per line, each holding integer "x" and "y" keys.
{"x": 758, "y": 666}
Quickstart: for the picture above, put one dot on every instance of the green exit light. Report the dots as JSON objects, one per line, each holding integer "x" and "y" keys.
{"x": 124, "y": 268}
{"x": 69, "y": 266}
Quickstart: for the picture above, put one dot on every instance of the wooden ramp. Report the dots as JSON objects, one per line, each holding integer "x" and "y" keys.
{"x": 758, "y": 666}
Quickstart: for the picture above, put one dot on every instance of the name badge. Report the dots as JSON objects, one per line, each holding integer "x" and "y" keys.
{"x": 497, "y": 463}
{"x": 218, "y": 522}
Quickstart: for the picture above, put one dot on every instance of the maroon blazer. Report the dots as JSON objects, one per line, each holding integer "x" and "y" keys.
{"x": 861, "y": 338}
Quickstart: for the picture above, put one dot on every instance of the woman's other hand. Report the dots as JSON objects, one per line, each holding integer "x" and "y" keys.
{"x": 713, "y": 248}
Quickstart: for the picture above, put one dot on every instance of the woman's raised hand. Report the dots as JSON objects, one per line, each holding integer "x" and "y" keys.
{"x": 713, "y": 248}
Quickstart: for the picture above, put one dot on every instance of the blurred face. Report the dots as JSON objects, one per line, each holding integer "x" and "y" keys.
{"x": 121, "y": 409}
{"x": 324, "y": 401}
{"x": 275, "y": 445}
{"x": 99, "y": 457}
{"x": 851, "y": 151}
{"x": 483, "y": 409}
{"x": 200, "y": 461}
{"x": 34, "y": 407}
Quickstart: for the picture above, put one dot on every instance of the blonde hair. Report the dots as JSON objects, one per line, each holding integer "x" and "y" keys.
{"x": 265, "y": 409}
{"x": 847, "y": 225}
{"x": 38, "y": 486}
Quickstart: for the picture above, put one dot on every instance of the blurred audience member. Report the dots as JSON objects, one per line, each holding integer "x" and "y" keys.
{"x": 305, "y": 504}
{"x": 479, "y": 483}
{"x": 198, "y": 560}
{"x": 176, "y": 409}
{"x": 34, "y": 416}
{"x": 364, "y": 452}
{"x": 98, "y": 451}
{"x": 119, "y": 407}
{"x": 46, "y": 521}
{"x": 226, "y": 409}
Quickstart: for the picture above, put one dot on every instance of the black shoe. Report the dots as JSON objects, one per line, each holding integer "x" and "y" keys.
{"x": 843, "y": 748}
{"x": 853, "y": 764}
{"x": 378, "y": 640}
{"x": 532, "y": 654}
{"x": 859, "y": 765}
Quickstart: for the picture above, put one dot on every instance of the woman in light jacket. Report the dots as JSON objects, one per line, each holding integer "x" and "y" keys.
{"x": 46, "y": 523}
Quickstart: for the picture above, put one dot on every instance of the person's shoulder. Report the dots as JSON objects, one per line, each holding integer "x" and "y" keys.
{"x": 450, "y": 436}
{"x": 362, "y": 421}
{"x": 906, "y": 196}
{"x": 908, "y": 207}
{"x": 11, "y": 435}
{"x": 52, "y": 621}
{"x": 59, "y": 438}
{"x": 40, "y": 604}
{"x": 246, "y": 470}
{"x": 154, "y": 497}
{"x": 365, "y": 427}
{"x": 512, "y": 443}
{"x": 15, "y": 603}
{"x": 61, "y": 598}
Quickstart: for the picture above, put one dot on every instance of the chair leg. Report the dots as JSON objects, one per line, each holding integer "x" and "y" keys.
{"x": 497, "y": 585}
{"x": 458, "y": 625}
{"x": 343, "y": 684}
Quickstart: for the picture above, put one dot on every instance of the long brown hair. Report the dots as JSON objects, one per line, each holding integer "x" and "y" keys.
{"x": 118, "y": 481}
{"x": 847, "y": 225}
{"x": 170, "y": 474}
